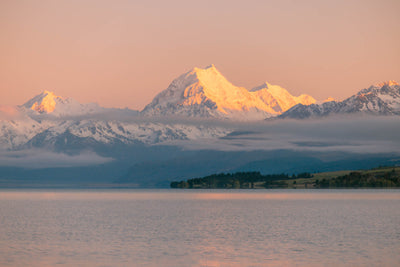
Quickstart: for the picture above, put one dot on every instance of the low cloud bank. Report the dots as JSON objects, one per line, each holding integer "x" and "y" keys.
{"x": 356, "y": 133}
{"x": 362, "y": 134}
{"x": 38, "y": 159}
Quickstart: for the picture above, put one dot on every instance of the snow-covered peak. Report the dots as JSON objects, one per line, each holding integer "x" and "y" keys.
{"x": 388, "y": 87}
{"x": 209, "y": 68}
{"x": 43, "y": 103}
{"x": 210, "y": 82}
{"x": 387, "y": 83}
{"x": 49, "y": 103}
{"x": 207, "y": 93}
{"x": 280, "y": 98}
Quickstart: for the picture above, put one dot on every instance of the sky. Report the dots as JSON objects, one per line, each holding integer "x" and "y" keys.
{"x": 122, "y": 53}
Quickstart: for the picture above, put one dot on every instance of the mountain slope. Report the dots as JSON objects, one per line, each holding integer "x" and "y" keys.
{"x": 206, "y": 93}
{"x": 85, "y": 134}
{"x": 14, "y": 133}
{"x": 63, "y": 135}
{"x": 381, "y": 99}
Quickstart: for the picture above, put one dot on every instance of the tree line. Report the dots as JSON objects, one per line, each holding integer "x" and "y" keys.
{"x": 239, "y": 180}
{"x": 357, "y": 179}
{"x": 362, "y": 180}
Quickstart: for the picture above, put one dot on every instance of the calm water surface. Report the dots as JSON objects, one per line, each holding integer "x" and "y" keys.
{"x": 200, "y": 228}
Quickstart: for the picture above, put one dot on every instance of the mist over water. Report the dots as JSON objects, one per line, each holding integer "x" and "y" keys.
{"x": 200, "y": 228}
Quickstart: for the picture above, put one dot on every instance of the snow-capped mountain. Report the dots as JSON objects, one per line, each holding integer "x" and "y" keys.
{"x": 14, "y": 133}
{"x": 51, "y": 122}
{"x": 49, "y": 103}
{"x": 26, "y": 133}
{"x": 279, "y": 98}
{"x": 381, "y": 99}
{"x": 206, "y": 93}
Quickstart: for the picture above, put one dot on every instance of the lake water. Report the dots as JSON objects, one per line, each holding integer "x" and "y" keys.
{"x": 200, "y": 228}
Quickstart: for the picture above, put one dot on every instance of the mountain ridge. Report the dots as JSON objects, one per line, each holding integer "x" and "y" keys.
{"x": 380, "y": 99}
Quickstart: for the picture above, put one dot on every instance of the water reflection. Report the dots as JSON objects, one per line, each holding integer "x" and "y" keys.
{"x": 200, "y": 228}
{"x": 173, "y": 194}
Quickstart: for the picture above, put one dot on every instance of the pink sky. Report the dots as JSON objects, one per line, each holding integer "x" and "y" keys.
{"x": 122, "y": 53}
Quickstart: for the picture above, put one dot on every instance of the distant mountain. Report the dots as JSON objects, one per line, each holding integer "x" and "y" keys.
{"x": 49, "y": 103}
{"x": 63, "y": 124}
{"x": 381, "y": 99}
{"x": 206, "y": 93}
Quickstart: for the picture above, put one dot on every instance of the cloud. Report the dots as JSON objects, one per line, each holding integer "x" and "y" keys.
{"x": 366, "y": 134}
{"x": 38, "y": 159}
{"x": 354, "y": 133}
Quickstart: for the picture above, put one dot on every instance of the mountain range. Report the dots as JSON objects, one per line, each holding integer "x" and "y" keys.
{"x": 49, "y": 121}
{"x": 207, "y": 94}
{"x": 381, "y": 99}
{"x": 190, "y": 128}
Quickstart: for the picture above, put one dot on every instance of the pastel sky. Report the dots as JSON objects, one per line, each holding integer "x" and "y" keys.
{"x": 122, "y": 53}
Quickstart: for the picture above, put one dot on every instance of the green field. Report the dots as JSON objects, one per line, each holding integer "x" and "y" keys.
{"x": 310, "y": 182}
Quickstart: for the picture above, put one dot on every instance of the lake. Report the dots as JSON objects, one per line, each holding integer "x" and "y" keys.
{"x": 200, "y": 228}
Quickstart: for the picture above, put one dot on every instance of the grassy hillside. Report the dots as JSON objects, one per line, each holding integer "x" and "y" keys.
{"x": 377, "y": 175}
{"x": 382, "y": 177}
